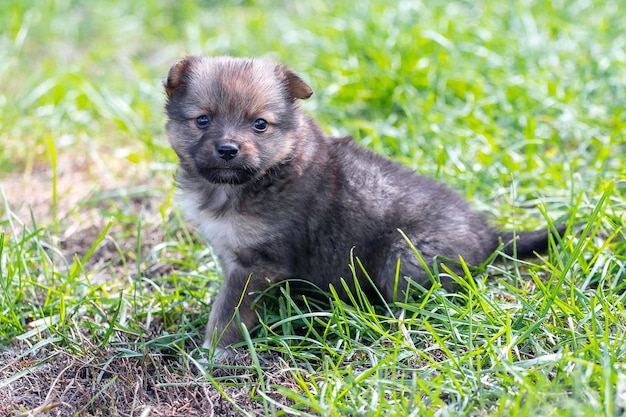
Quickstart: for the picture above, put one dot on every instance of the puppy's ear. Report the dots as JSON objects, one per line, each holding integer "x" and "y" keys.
{"x": 295, "y": 85}
{"x": 178, "y": 76}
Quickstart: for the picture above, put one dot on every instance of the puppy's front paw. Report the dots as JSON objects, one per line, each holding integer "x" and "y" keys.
{"x": 217, "y": 355}
{"x": 222, "y": 355}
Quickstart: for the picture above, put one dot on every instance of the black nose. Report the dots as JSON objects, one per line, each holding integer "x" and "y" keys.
{"x": 227, "y": 151}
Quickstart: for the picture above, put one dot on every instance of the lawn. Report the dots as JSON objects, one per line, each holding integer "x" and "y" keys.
{"x": 105, "y": 291}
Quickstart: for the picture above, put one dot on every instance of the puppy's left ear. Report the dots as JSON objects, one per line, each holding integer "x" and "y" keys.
{"x": 177, "y": 76}
{"x": 295, "y": 85}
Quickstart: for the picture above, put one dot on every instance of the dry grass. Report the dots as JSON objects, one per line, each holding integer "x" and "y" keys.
{"x": 94, "y": 382}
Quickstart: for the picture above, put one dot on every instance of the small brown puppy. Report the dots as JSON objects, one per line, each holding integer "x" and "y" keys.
{"x": 278, "y": 198}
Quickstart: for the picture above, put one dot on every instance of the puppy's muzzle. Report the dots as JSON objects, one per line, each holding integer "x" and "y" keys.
{"x": 227, "y": 151}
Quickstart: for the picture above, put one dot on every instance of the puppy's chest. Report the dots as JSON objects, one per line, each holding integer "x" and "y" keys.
{"x": 226, "y": 229}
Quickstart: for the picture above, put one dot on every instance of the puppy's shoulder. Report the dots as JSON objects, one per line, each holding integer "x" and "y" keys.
{"x": 377, "y": 173}
{"x": 355, "y": 156}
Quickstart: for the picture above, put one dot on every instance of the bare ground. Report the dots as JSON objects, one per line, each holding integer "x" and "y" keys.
{"x": 52, "y": 382}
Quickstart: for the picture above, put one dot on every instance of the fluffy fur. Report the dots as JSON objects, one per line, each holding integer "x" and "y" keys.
{"x": 278, "y": 198}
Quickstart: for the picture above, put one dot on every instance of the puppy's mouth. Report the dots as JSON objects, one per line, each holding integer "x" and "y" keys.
{"x": 232, "y": 176}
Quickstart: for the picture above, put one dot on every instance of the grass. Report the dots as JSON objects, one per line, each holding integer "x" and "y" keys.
{"x": 104, "y": 292}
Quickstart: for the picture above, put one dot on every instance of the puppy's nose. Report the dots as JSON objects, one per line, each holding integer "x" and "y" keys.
{"x": 227, "y": 151}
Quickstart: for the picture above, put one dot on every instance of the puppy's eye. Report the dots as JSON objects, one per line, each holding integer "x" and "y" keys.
{"x": 203, "y": 121}
{"x": 260, "y": 125}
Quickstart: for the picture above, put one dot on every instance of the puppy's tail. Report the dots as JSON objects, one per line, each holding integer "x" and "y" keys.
{"x": 525, "y": 244}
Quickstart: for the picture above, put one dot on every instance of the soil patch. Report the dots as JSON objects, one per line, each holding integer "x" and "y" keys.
{"x": 52, "y": 382}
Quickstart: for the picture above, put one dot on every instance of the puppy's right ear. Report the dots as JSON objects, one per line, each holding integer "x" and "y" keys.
{"x": 295, "y": 85}
{"x": 178, "y": 76}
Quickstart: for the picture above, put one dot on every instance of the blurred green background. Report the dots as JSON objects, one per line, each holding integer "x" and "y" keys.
{"x": 478, "y": 92}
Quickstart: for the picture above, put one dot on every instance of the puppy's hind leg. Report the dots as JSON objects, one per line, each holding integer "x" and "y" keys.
{"x": 400, "y": 270}
{"x": 404, "y": 268}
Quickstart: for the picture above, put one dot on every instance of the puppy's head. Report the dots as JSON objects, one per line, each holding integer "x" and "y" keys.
{"x": 231, "y": 120}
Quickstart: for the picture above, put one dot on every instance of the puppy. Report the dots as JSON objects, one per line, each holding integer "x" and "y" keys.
{"x": 278, "y": 198}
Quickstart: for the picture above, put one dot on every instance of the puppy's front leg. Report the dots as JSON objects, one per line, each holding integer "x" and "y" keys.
{"x": 236, "y": 295}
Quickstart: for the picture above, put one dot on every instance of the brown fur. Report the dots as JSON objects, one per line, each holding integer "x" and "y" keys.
{"x": 288, "y": 201}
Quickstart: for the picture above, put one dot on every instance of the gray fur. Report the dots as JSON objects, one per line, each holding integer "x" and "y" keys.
{"x": 295, "y": 202}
